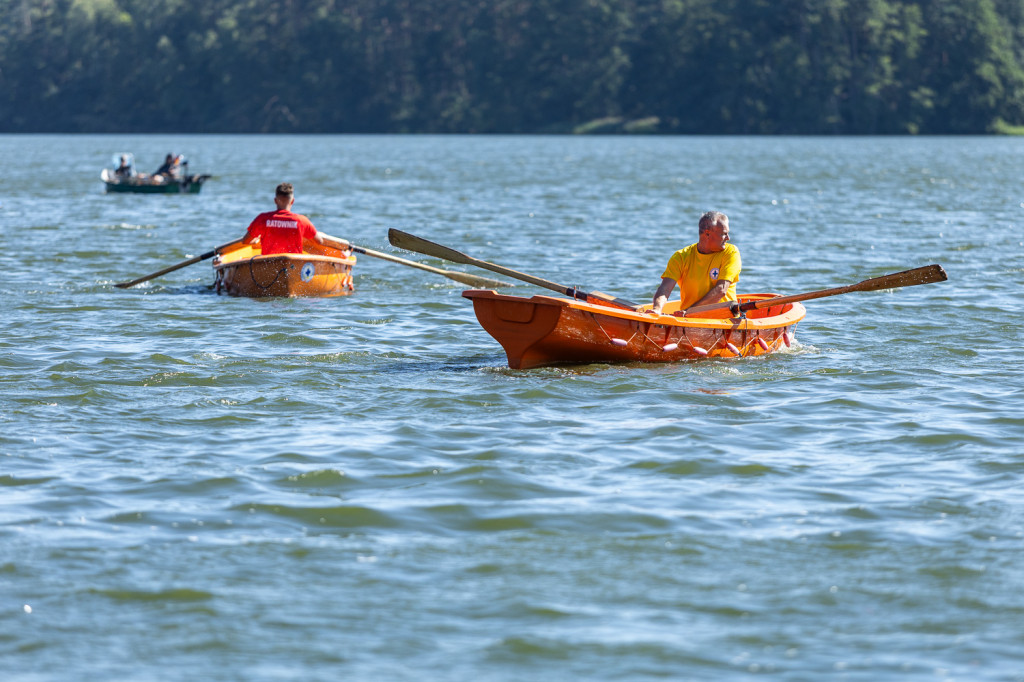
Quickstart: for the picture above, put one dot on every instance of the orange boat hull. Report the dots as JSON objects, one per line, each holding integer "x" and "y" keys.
{"x": 544, "y": 330}
{"x": 321, "y": 271}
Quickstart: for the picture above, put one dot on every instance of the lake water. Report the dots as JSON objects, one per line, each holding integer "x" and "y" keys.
{"x": 199, "y": 487}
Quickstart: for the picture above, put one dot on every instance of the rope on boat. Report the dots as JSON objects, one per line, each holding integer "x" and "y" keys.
{"x": 662, "y": 347}
{"x": 614, "y": 340}
{"x": 252, "y": 275}
{"x": 699, "y": 350}
{"x": 666, "y": 347}
{"x": 747, "y": 338}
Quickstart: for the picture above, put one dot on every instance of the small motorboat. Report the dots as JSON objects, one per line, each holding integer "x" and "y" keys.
{"x": 153, "y": 184}
{"x": 124, "y": 178}
{"x": 321, "y": 270}
{"x": 547, "y": 330}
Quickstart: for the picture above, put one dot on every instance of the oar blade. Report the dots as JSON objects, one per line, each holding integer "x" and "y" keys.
{"x": 411, "y": 242}
{"x": 464, "y": 278}
{"x": 928, "y": 274}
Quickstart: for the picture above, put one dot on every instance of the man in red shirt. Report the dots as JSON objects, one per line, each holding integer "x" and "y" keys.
{"x": 281, "y": 231}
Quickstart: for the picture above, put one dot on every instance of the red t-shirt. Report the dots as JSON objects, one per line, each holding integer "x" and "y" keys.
{"x": 281, "y": 231}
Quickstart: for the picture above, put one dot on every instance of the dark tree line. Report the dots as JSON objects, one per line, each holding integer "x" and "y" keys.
{"x": 489, "y": 66}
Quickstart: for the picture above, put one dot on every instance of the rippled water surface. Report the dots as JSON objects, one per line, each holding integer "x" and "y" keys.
{"x": 198, "y": 487}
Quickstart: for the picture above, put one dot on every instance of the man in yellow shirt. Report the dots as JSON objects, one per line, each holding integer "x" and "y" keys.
{"x": 706, "y": 272}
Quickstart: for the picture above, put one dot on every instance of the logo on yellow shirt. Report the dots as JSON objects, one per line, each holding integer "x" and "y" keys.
{"x": 714, "y": 273}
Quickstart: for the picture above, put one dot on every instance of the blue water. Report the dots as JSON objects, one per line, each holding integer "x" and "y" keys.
{"x": 200, "y": 487}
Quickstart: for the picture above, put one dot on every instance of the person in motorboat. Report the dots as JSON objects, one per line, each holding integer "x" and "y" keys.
{"x": 282, "y": 231}
{"x": 178, "y": 167}
{"x": 126, "y": 169}
{"x": 706, "y": 271}
{"x": 165, "y": 168}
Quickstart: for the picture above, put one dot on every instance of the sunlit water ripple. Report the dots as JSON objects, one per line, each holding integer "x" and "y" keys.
{"x": 198, "y": 487}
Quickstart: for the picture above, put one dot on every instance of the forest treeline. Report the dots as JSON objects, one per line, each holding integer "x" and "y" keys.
{"x": 512, "y": 66}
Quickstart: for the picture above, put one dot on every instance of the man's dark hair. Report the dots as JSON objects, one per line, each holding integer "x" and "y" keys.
{"x": 285, "y": 189}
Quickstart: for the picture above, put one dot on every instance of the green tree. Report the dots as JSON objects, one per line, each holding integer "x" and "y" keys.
{"x": 700, "y": 66}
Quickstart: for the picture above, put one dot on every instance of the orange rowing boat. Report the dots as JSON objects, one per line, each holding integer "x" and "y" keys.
{"x": 594, "y": 327}
{"x": 546, "y": 330}
{"x": 321, "y": 270}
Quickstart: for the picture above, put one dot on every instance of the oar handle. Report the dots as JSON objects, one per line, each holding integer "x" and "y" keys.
{"x": 338, "y": 241}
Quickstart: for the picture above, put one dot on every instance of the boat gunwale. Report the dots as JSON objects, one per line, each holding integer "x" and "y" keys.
{"x": 793, "y": 314}
{"x": 220, "y": 264}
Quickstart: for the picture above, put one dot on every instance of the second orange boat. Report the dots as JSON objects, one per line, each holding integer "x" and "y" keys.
{"x": 321, "y": 270}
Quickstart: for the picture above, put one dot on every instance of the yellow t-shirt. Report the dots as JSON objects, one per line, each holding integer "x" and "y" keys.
{"x": 697, "y": 272}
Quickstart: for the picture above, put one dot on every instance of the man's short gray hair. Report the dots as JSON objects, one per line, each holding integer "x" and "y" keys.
{"x": 710, "y": 219}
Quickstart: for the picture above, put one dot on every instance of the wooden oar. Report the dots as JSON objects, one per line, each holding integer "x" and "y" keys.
{"x": 410, "y": 242}
{"x": 927, "y": 274}
{"x": 177, "y": 266}
{"x": 465, "y": 278}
